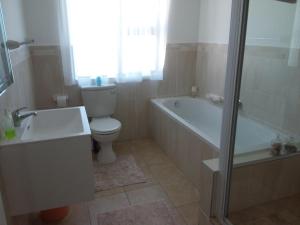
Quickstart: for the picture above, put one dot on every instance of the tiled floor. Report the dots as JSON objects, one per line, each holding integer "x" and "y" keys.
{"x": 285, "y": 211}
{"x": 164, "y": 182}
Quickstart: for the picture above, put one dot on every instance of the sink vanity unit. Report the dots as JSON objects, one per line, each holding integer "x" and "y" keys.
{"x": 49, "y": 163}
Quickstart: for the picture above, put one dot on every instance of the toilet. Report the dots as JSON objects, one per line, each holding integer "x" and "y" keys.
{"x": 100, "y": 103}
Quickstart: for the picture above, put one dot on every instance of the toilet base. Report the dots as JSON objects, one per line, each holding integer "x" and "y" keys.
{"x": 106, "y": 154}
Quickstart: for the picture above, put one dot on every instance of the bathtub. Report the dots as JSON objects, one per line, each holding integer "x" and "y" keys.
{"x": 204, "y": 119}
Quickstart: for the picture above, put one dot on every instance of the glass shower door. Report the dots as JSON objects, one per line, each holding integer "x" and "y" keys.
{"x": 265, "y": 171}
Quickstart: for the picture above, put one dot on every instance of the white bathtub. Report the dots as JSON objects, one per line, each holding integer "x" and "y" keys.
{"x": 205, "y": 118}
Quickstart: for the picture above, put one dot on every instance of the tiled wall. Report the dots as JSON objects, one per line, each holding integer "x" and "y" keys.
{"x": 20, "y": 93}
{"x": 258, "y": 183}
{"x": 181, "y": 144}
{"x": 133, "y": 98}
{"x": 186, "y": 65}
{"x": 211, "y": 68}
{"x": 270, "y": 88}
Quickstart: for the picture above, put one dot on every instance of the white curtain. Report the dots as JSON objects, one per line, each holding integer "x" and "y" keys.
{"x": 121, "y": 39}
{"x": 65, "y": 45}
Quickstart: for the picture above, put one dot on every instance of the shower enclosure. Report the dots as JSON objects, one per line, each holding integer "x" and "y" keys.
{"x": 261, "y": 166}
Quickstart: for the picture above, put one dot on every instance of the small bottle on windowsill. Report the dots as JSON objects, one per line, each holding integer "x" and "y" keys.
{"x": 98, "y": 81}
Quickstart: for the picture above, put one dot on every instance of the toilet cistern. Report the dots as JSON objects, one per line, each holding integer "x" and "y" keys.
{"x": 100, "y": 103}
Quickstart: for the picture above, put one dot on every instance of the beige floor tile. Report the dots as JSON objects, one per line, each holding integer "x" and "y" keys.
{"x": 278, "y": 212}
{"x": 152, "y": 157}
{"x": 139, "y": 161}
{"x": 123, "y": 148}
{"x": 166, "y": 173}
{"x": 146, "y": 170}
{"x": 150, "y": 180}
{"x": 179, "y": 220}
{"x": 107, "y": 204}
{"x": 138, "y": 186}
{"x": 144, "y": 144}
{"x": 112, "y": 191}
{"x": 261, "y": 221}
{"x": 147, "y": 195}
{"x": 190, "y": 213}
{"x": 181, "y": 192}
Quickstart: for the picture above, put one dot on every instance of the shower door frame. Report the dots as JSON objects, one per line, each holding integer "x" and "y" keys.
{"x": 236, "y": 48}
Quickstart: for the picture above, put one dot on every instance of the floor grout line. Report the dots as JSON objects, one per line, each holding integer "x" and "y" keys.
{"x": 128, "y": 199}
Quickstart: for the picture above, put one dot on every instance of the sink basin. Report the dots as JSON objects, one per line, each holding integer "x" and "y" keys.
{"x": 52, "y": 124}
{"x": 49, "y": 163}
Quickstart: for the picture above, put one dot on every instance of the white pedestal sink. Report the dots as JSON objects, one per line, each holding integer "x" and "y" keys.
{"x": 49, "y": 164}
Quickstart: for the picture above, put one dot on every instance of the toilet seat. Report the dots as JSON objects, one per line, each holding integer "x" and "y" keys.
{"x": 105, "y": 125}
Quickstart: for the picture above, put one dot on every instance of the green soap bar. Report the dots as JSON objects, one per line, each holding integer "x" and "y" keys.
{"x": 10, "y": 134}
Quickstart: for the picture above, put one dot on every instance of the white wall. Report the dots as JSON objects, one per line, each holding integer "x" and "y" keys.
{"x": 214, "y": 21}
{"x": 190, "y": 21}
{"x": 184, "y": 21}
{"x": 13, "y": 19}
{"x": 41, "y": 21}
{"x": 270, "y": 23}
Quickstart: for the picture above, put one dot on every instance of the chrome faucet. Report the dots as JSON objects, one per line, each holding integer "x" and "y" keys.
{"x": 18, "y": 118}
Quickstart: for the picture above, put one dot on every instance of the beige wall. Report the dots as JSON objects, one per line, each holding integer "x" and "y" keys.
{"x": 259, "y": 183}
{"x": 132, "y": 108}
{"x": 211, "y": 68}
{"x": 270, "y": 88}
{"x": 133, "y": 98}
{"x": 181, "y": 144}
{"x": 21, "y": 92}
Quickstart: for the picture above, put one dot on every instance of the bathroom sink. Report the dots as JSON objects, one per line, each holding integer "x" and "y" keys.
{"x": 52, "y": 124}
{"x": 49, "y": 163}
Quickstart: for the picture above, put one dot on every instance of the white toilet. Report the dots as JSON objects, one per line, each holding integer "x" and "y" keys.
{"x": 100, "y": 103}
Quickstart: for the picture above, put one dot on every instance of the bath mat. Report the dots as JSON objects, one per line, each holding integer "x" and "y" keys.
{"x": 156, "y": 213}
{"x": 124, "y": 171}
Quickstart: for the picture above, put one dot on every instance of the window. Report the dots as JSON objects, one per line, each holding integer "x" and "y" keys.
{"x": 121, "y": 39}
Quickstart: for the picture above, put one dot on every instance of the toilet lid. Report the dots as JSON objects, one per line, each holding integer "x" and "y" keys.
{"x": 105, "y": 125}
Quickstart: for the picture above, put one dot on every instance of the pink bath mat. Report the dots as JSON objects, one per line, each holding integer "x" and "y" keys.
{"x": 124, "y": 171}
{"x": 156, "y": 213}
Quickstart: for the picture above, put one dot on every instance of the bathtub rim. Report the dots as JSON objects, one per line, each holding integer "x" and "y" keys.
{"x": 158, "y": 102}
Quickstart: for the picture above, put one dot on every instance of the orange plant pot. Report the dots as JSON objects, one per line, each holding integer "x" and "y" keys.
{"x": 54, "y": 215}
